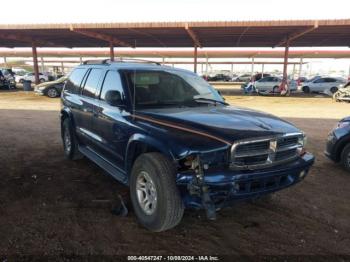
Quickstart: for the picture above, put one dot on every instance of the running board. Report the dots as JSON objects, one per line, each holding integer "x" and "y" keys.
{"x": 112, "y": 170}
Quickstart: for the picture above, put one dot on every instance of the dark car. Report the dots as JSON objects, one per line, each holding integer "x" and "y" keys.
{"x": 51, "y": 89}
{"x": 219, "y": 77}
{"x": 338, "y": 143}
{"x": 170, "y": 136}
{"x": 7, "y": 79}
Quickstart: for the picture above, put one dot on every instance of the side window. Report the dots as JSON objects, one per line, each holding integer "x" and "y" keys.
{"x": 112, "y": 82}
{"x": 331, "y": 80}
{"x": 318, "y": 81}
{"x": 91, "y": 84}
{"x": 74, "y": 80}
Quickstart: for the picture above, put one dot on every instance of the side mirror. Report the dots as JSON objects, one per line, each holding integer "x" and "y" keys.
{"x": 114, "y": 98}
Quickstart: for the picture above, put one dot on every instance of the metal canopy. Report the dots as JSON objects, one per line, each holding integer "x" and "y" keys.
{"x": 180, "y": 34}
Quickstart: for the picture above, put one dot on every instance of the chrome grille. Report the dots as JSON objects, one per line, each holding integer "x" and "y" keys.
{"x": 265, "y": 151}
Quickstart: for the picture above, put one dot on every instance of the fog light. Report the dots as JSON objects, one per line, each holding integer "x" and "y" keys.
{"x": 302, "y": 174}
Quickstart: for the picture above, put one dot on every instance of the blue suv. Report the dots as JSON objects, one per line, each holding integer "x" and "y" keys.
{"x": 171, "y": 137}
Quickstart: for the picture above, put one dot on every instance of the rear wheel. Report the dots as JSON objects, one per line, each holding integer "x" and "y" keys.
{"x": 334, "y": 89}
{"x": 275, "y": 89}
{"x": 41, "y": 80}
{"x": 70, "y": 144}
{"x": 345, "y": 157}
{"x": 52, "y": 92}
{"x": 154, "y": 195}
{"x": 306, "y": 89}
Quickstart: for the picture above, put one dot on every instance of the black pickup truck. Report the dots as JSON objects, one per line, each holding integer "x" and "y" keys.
{"x": 171, "y": 137}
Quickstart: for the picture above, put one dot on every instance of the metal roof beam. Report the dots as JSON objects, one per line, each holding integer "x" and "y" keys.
{"x": 297, "y": 35}
{"x": 104, "y": 37}
{"x": 26, "y": 39}
{"x": 193, "y": 36}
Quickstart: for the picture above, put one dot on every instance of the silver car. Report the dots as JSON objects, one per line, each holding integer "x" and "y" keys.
{"x": 271, "y": 84}
{"x": 326, "y": 85}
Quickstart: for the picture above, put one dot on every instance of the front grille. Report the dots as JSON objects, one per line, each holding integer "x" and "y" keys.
{"x": 265, "y": 152}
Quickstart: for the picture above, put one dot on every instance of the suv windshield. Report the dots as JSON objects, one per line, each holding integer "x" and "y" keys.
{"x": 169, "y": 88}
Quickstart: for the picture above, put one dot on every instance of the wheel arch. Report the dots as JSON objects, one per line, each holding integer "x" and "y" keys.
{"x": 340, "y": 147}
{"x": 139, "y": 144}
{"x": 66, "y": 113}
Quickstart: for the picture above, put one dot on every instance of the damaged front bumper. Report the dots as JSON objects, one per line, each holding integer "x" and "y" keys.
{"x": 226, "y": 186}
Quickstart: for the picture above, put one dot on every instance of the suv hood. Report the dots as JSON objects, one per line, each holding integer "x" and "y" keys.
{"x": 225, "y": 122}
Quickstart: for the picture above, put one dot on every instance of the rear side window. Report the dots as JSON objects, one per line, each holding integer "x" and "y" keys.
{"x": 112, "y": 82}
{"x": 74, "y": 81}
{"x": 91, "y": 84}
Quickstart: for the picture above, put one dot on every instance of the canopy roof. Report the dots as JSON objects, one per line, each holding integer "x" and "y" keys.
{"x": 304, "y": 33}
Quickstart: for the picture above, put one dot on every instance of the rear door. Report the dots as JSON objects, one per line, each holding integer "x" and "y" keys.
{"x": 87, "y": 103}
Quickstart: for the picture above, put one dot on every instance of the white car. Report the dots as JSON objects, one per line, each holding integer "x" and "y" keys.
{"x": 271, "y": 84}
{"x": 31, "y": 77}
{"x": 326, "y": 85}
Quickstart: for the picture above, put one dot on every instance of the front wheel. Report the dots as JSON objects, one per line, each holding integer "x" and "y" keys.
{"x": 345, "y": 157}
{"x": 306, "y": 89}
{"x": 154, "y": 195}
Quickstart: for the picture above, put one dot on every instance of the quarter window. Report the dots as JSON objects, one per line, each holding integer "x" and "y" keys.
{"x": 74, "y": 81}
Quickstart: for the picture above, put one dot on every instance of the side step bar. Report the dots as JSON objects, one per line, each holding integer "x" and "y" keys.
{"x": 114, "y": 171}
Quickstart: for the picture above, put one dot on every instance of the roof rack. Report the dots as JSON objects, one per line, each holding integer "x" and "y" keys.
{"x": 119, "y": 60}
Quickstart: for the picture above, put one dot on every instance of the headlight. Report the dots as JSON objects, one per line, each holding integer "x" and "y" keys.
{"x": 302, "y": 140}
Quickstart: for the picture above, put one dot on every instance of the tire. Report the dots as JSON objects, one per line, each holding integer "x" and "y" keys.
{"x": 334, "y": 89}
{"x": 41, "y": 80}
{"x": 70, "y": 144}
{"x": 345, "y": 157}
{"x": 306, "y": 89}
{"x": 21, "y": 81}
{"x": 157, "y": 174}
{"x": 275, "y": 89}
{"x": 52, "y": 92}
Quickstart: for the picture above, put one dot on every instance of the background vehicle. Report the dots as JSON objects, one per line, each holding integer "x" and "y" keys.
{"x": 272, "y": 83}
{"x": 51, "y": 89}
{"x": 338, "y": 143}
{"x": 243, "y": 78}
{"x": 301, "y": 80}
{"x": 8, "y": 80}
{"x": 169, "y": 136}
{"x": 219, "y": 77}
{"x": 326, "y": 85}
{"x": 31, "y": 77}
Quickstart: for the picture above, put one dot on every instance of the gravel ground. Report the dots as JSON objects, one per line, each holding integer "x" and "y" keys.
{"x": 51, "y": 206}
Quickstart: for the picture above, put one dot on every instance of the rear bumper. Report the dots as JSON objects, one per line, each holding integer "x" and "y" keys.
{"x": 227, "y": 186}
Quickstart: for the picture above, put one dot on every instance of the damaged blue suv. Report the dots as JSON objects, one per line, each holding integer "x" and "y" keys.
{"x": 170, "y": 136}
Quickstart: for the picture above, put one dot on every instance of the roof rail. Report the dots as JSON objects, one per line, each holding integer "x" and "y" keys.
{"x": 96, "y": 62}
{"x": 132, "y": 60}
{"x": 119, "y": 60}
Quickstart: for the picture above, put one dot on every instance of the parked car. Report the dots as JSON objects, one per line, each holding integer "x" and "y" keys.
{"x": 31, "y": 77}
{"x": 170, "y": 136}
{"x": 271, "y": 84}
{"x": 326, "y": 85}
{"x": 51, "y": 89}
{"x": 244, "y": 78}
{"x": 338, "y": 143}
{"x": 219, "y": 77}
{"x": 7, "y": 79}
{"x": 301, "y": 80}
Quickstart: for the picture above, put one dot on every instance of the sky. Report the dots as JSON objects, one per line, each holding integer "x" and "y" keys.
{"x": 72, "y": 11}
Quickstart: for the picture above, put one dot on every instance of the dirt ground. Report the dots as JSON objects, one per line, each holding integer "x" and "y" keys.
{"x": 51, "y": 206}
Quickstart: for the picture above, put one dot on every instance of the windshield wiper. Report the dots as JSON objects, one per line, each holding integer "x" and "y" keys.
{"x": 204, "y": 99}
